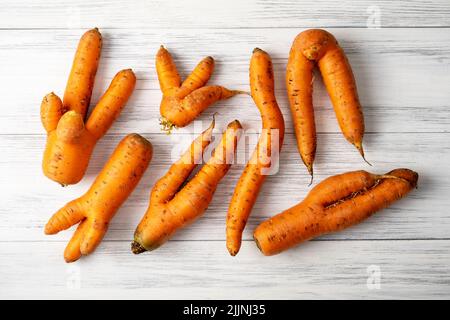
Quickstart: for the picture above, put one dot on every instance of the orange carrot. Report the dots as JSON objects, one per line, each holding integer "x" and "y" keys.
{"x": 183, "y": 102}
{"x": 172, "y": 208}
{"x": 69, "y": 141}
{"x": 251, "y": 180}
{"x": 95, "y": 209}
{"x": 313, "y": 47}
{"x": 334, "y": 204}
{"x": 77, "y": 95}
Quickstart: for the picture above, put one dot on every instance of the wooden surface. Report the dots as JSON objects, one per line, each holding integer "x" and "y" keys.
{"x": 400, "y": 53}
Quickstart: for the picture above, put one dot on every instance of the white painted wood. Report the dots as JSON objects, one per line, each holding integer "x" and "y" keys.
{"x": 33, "y": 198}
{"x": 199, "y": 269}
{"x": 218, "y": 14}
{"x": 403, "y": 75}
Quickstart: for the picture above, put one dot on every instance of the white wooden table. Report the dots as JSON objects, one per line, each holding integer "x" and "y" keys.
{"x": 400, "y": 53}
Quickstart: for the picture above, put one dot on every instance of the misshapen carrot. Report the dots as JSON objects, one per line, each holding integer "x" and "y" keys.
{"x": 319, "y": 47}
{"x": 182, "y": 102}
{"x": 77, "y": 95}
{"x": 334, "y": 204}
{"x": 95, "y": 209}
{"x": 172, "y": 208}
{"x": 253, "y": 176}
{"x": 69, "y": 141}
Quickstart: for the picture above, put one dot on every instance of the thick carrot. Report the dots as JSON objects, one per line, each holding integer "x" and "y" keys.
{"x": 182, "y": 102}
{"x": 77, "y": 95}
{"x": 172, "y": 208}
{"x": 69, "y": 142}
{"x": 334, "y": 204}
{"x": 270, "y": 141}
{"x": 95, "y": 209}
{"x": 313, "y": 47}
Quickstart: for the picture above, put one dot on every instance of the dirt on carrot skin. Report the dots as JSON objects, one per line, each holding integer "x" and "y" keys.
{"x": 316, "y": 47}
{"x": 176, "y": 201}
{"x": 182, "y": 102}
{"x": 252, "y": 178}
{"x": 334, "y": 204}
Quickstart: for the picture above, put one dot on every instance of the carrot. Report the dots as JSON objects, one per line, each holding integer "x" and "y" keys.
{"x": 79, "y": 86}
{"x": 182, "y": 102}
{"x": 95, "y": 209}
{"x": 313, "y": 47}
{"x": 69, "y": 141}
{"x": 253, "y": 176}
{"x": 334, "y": 204}
{"x": 172, "y": 208}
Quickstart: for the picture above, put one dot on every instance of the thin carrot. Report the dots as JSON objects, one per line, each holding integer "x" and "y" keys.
{"x": 182, "y": 102}
{"x": 69, "y": 141}
{"x": 253, "y": 176}
{"x": 313, "y": 47}
{"x": 334, "y": 204}
{"x": 77, "y": 95}
{"x": 95, "y": 209}
{"x": 172, "y": 208}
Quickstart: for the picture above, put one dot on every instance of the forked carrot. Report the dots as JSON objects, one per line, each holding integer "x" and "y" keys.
{"x": 183, "y": 101}
{"x": 69, "y": 141}
{"x": 95, "y": 209}
{"x": 172, "y": 208}
{"x": 319, "y": 47}
{"x": 334, "y": 204}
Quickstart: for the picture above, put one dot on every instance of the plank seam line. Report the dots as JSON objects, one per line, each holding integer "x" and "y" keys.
{"x": 120, "y": 134}
{"x": 226, "y": 28}
{"x": 244, "y": 240}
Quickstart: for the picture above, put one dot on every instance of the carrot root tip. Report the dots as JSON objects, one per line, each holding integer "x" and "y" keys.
{"x": 359, "y": 146}
{"x": 311, "y": 173}
{"x": 137, "y": 248}
{"x": 235, "y": 92}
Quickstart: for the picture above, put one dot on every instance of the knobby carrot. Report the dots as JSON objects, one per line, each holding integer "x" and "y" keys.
{"x": 334, "y": 204}
{"x": 95, "y": 209}
{"x": 183, "y": 101}
{"x": 69, "y": 141}
{"x": 253, "y": 176}
{"x": 319, "y": 47}
{"x": 172, "y": 208}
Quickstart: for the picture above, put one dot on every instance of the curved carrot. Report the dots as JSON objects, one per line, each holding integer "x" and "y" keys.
{"x": 313, "y": 47}
{"x": 69, "y": 141}
{"x": 253, "y": 176}
{"x": 77, "y": 95}
{"x": 334, "y": 204}
{"x": 172, "y": 208}
{"x": 95, "y": 209}
{"x": 183, "y": 102}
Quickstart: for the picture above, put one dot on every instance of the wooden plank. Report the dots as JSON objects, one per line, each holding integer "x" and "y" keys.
{"x": 402, "y": 75}
{"x": 203, "y": 269}
{"x": 29, "y": 198}
{"x": 219, "y": 14}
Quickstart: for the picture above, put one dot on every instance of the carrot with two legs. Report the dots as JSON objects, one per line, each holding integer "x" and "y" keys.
{"x": 319, "y": 47}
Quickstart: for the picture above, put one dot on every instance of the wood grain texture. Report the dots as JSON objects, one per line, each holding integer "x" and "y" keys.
{"x": 219, "y": 14}
{"x": 199, "y": 269}
{"x": 403, "y": 76}
{"x": 410, "y": 218}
